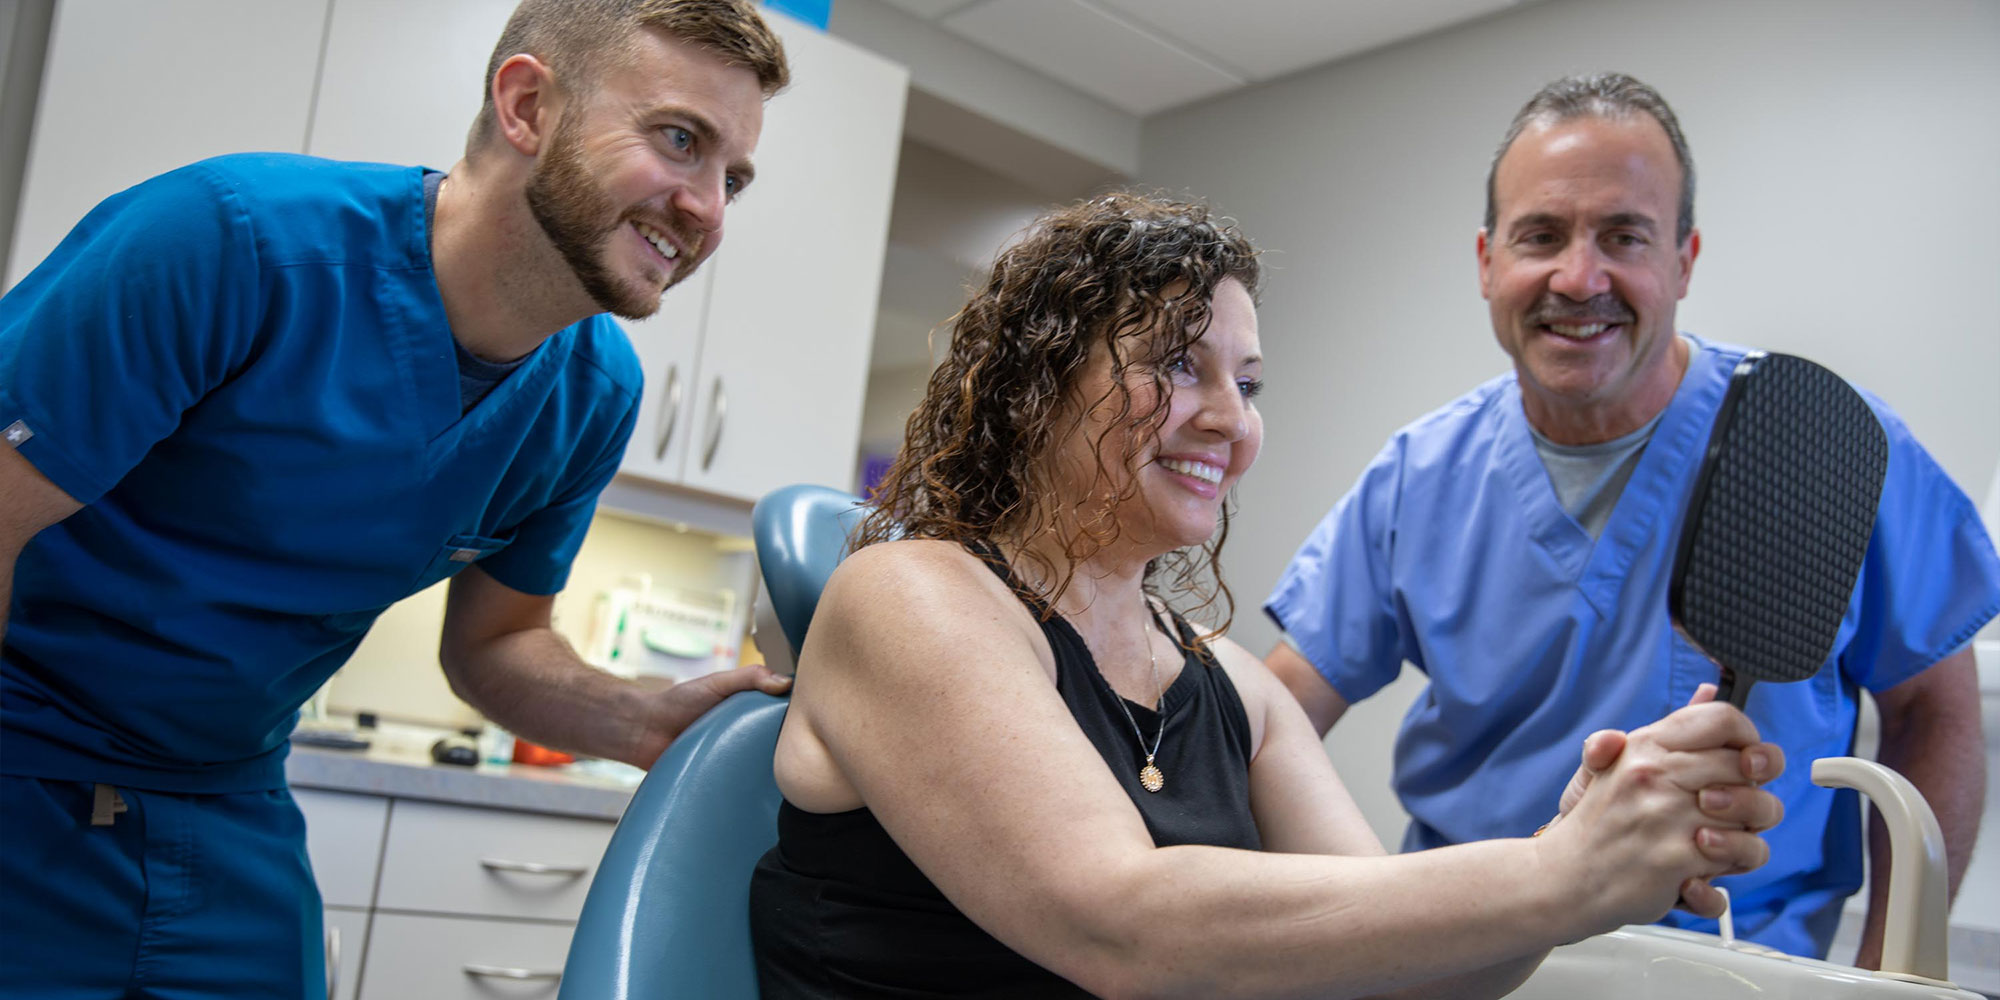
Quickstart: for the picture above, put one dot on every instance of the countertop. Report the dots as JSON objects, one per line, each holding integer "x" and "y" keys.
{"x": 401, "y": 767}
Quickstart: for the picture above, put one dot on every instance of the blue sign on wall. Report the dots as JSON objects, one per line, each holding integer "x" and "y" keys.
{"x": 813, "y": 12}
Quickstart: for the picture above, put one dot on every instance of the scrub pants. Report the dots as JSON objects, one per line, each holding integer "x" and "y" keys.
{"x": 182, "y": 896}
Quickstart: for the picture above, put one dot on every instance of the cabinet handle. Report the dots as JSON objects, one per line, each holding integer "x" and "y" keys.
{"x": 501, "y": 972}
{"x": 670, "y": 413}
{"x": 533, "y": 867}
{"x": 718, "y": 409}
{"x": 333, "y": 963}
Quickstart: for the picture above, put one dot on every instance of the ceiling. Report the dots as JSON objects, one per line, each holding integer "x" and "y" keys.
{"x": 1148, "y": 56}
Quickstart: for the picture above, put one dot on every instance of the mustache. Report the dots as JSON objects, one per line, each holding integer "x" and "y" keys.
{"x": 1606, "y": 308}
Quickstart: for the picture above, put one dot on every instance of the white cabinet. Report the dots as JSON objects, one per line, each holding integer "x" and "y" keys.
{"x": 346, "y": 941}
{"x": 669, "y": 346}
{"x": 451, "y": 958}
{"x": 402, "y": 81}
{"x": 344, "y": 840}
{"x": 428, "y": 899}
{"x": 771, "y": 394}
{"x": 484, "y": 862}
{"x": 134, "y": 89}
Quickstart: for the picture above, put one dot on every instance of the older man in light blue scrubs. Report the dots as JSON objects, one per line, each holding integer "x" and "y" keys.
{"x": 250, "y": 403}
{"x": 1515, "y": 545}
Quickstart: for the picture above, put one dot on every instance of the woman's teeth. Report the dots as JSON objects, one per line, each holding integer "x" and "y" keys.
{"x": 1199, "y": 470}
{"x": 1582, "y": 332}
{"x": 658, "y": 241}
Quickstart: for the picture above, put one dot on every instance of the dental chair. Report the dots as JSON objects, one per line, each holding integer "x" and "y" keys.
{"x": 668, "y": 914}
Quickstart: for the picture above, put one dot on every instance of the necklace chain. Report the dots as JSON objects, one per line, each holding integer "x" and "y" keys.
{"x": 1150, "y": 776}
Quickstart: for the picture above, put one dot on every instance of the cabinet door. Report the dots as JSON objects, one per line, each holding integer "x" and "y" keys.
{"x": 404, "y": 80}
{"x": 453, "y": 958}
{"x": 344, "y": 841}
{"x": 668, "y": 343}
{"x": 489, "y": 862}
{"x": 131, "y": 90}
{"x": 346, "y": 941}
{"x": 792, "y": 312}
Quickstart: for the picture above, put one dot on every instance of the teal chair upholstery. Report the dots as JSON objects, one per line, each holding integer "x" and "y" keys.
{"x": 801, "y": 534}
{"x": 668, "y": 914}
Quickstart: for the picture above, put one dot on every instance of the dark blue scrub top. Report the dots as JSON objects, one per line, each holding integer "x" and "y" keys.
{"x": 243, "y": 369}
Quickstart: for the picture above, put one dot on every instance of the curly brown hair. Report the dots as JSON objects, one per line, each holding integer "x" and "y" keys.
{"x": 1130, "y": 271}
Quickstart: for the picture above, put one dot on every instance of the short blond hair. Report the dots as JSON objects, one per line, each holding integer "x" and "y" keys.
{"x": 578, "y": 39}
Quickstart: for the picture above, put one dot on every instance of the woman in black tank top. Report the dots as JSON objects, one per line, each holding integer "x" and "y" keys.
{"x": 1011, "y": 771}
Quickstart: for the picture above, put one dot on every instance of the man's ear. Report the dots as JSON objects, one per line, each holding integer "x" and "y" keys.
{"x": 1689, "y": 250}
{"x": 525, "y": 103}
{"x": 1485, "y": 253}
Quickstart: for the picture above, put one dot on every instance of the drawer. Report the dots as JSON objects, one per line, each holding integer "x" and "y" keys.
{"x": 430, "y": 957}
{"x": 344, "y": 841}
{"x": 346, "y": 940}
{"x": 488, "y": 862}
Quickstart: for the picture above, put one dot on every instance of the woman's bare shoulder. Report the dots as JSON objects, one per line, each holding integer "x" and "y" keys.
{"x": 1240, "y": 662}
{"x": 913, "y": 568}
{"x": 936, "y": 588}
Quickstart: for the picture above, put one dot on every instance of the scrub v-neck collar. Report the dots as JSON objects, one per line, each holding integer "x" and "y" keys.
{"x": 431, "y": 350}
{"x": 1650, "y": 504}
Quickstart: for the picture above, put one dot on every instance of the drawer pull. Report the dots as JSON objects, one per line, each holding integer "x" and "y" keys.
{"x": 501, "y": 972}
{"x": 333, "y": 963}
{"x": 533, "y": 868}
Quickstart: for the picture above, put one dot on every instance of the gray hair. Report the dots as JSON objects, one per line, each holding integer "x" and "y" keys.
{"x": 1600, "y": 95}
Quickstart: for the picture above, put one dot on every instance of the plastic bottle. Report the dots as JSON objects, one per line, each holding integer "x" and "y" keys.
{"x": 496, "y": 745}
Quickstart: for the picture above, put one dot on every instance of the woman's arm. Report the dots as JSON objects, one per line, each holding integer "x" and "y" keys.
{"x": 925, "y": 687}
{"x": 1302, "y": 807}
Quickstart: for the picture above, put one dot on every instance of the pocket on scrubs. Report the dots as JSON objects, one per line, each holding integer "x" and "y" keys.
{"x": 459, "y": 552}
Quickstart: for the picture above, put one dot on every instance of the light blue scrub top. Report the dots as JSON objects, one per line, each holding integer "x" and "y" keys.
{"x": 244, "y": 370}
{"x": 1453, "y": 553}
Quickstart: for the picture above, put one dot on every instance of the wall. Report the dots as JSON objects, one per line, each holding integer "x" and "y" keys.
{"x": 1846, "y": 155}
{"x": 396, "y": 672}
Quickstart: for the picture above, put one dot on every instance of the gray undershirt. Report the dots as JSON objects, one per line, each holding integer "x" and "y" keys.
{"x": 1589, "y": 478}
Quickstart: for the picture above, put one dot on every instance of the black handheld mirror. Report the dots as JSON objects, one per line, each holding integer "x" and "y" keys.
{"x": 1778, "y": 522}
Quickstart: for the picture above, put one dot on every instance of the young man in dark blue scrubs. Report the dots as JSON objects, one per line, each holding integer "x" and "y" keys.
{"x": 250, "y": 403}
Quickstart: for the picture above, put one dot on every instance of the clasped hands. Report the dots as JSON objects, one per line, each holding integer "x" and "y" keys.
{"x": 1679, "y": 798}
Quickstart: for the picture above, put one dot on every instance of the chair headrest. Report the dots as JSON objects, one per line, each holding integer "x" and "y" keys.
{"x": 801, "y": 534}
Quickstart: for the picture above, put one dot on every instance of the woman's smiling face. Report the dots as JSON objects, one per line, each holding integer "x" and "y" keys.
{"x": 1175, "y": 459}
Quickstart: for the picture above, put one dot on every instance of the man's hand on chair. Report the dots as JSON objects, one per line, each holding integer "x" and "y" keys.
{"x": 674, "y": 707}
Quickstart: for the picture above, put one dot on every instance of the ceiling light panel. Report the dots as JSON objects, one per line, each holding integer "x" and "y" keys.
{"x": 1094, "y": 49}
{"x": 1269, "y": 38}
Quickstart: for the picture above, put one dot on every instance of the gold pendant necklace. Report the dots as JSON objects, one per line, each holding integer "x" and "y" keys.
{"x": 1151, "y": 778}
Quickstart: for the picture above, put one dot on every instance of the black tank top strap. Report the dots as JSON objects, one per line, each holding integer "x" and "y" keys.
{"x": 995, "y": 560}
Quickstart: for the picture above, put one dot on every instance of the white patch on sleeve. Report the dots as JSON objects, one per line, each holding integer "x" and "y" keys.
{"x": 17, "y": 433}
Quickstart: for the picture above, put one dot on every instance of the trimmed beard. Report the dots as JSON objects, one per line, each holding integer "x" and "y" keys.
{"x": 566, "y": 202}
